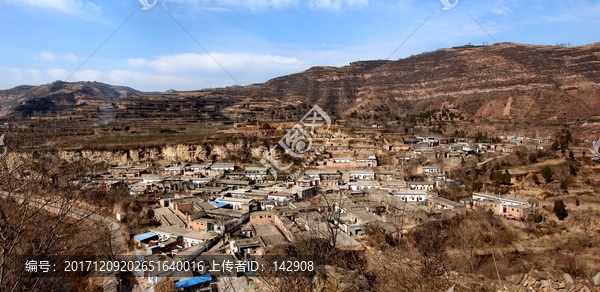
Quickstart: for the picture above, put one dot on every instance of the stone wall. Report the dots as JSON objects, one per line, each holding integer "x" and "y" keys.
{"x": 550, "y": 281}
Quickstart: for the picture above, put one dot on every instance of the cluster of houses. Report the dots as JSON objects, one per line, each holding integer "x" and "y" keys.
{"x": 455, "y": 148}
{"x": 218, "y": 209}
{"x": 194, "y": 178}
{"x": 361, "y": 161}
{"x": 252, "y": 220}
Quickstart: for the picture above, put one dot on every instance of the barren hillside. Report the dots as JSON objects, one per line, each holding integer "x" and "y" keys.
{"x": 499, "y": 83}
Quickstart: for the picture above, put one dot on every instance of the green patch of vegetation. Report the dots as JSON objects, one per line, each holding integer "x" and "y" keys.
{"x": 500, "y": 177}
{"x": 547, "y": 174}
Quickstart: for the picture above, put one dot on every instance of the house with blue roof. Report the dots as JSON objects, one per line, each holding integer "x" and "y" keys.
{"x": 144, "y": 238}
{"x": 193, "y": 282}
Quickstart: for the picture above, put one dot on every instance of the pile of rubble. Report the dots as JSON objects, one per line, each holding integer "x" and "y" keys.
{"x": 551, "y": 281}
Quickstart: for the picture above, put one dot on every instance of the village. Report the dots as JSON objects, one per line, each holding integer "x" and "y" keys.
{"x": 219, "y": 208}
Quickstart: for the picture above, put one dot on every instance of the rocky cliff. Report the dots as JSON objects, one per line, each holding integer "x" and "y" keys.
{"x": 235, "y": 150}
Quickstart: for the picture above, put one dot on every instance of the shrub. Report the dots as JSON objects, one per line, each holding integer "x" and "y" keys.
{"x": 506, "y": 177}
{"x": 537, "y": 217}
{"x": 555, "y": 146}
{"x": 535, "y": 179}
{"x": 546, "y": 195}
{"x": 563, "y": 185}
{"x": 476, "y": 186}
{"x": 547, "y": 173}
{"x": 532, "y": 158}
{"x": 560, "y": 210}
{"x": 502, "y": 178}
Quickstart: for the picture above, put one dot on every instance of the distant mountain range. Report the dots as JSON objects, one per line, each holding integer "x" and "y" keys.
{"x": 58, "y": 97}
{"x": 505, "y": 81}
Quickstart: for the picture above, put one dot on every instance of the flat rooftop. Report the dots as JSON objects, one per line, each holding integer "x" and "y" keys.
{"x": 235, "y": 200}
{"x": 221, "y": 165}
{"x": 174, "y": 219}
{"x": 184, "y": 232}
{"x": 255, "y": 168}
{"x": 269, "y": 234}
{"x": 226, "y": 212}
{"x": 446, "y": 202}
{"x": 162, "y": 211}
{"x": 369, "y": 172}
{"x": 316, "y": 172}
{"x": 493, "y": 196}
{"x": 233, "y": 182}
{"x": 247, "y": 242}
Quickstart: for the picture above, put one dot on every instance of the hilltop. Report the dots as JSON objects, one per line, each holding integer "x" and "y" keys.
{"x": 59, "y": 98}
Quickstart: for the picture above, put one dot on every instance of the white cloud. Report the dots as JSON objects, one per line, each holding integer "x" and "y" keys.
{"x": 83, "y": 75}
{"x": 73, "y": 7}
{"x": 93, "y": 7}
{"x": 47, "y": 56}
{"x": 29, "y": 76}
{"x": 204, "y": 62}
{"x": 502, "y": 10}
{"x": 255, "y": 3}
{"x": 259, "y": 4}
{"x": 182, "y": 62}
{"x": 70, "y": 57}
{"x": 583, "y": 13}
{"x": 336, "y": 4}
{"x": 17, "y": 73}
{"x": 195, "y": 71}
{"x": 147, "y": 81}
{"x": 182, "y": 72}
{"x": 223, "y": 5}
{"x": 35, "y": 74}
{"x": 137, "y": 62}
{"x": 86, "y": 75}
{"x": 57, "y": 73}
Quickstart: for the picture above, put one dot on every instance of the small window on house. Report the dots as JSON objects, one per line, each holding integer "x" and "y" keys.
{"x": 260, "y": 217}
{"x": 269, "y": 216}
{"x": 512, "y": 209}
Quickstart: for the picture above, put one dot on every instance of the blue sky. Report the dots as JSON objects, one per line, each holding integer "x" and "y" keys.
{"x": 254, "y": 40}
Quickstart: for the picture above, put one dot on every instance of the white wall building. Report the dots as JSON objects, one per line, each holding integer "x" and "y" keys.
{"x": 411, "y": 196}
{"x": 361, "y": 175}
{"x": 421, "y": 186}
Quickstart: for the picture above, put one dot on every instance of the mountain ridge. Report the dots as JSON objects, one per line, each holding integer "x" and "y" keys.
{"x": 504, "y": 81}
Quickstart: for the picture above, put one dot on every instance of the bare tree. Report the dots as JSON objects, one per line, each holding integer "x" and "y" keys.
{"x": 333, "y": 207}
{"x": 465, "y": 234}
{"x": 41, "y": 218}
